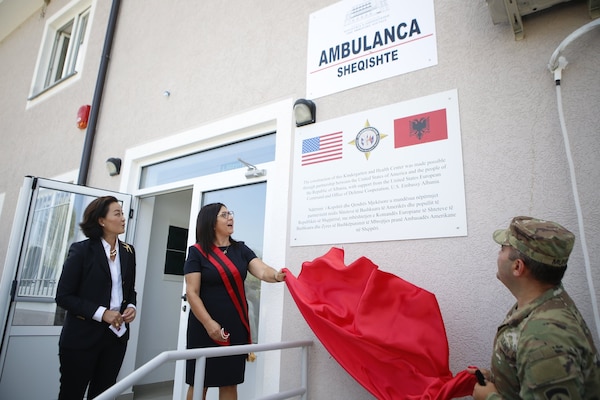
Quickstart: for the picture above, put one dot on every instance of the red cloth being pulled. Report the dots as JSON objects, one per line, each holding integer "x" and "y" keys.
{"x": 387, "y": 333}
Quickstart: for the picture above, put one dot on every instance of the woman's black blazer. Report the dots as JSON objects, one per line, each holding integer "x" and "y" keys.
{"x": 85, "y": 284}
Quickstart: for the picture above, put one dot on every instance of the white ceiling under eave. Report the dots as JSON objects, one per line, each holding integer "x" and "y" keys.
{"x": 14, "y": 12}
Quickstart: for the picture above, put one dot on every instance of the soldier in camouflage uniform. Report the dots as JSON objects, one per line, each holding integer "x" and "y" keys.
{"x": 543, "y": 349}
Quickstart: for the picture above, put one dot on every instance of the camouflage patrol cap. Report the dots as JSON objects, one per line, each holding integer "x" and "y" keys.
{"x": 543, "y": 241}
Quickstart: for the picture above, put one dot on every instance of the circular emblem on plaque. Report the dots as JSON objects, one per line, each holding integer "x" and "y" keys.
{"x": 367, "y": 139}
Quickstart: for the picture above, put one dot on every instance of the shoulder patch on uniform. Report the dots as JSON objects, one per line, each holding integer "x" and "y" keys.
{"x": 550, "y": 370}
{"x": 557, "y": 393}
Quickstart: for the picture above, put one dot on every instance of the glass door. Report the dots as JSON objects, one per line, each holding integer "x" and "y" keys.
{"x": 248, "y": 203}
{"x": 42, "y": 234}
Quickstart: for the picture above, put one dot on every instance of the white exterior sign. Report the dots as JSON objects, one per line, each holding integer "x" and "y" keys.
{"x": 390, "y": 173}
{"x": 352, "y": 43}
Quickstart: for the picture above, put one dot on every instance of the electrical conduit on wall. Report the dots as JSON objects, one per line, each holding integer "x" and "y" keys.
{"x": 556, "y": 65}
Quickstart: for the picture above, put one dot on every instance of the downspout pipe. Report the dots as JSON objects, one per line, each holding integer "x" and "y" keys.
{"x": 98, "y": 91}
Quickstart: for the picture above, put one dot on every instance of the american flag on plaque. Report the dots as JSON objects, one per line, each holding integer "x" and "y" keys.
{"x": 322, "y": 148}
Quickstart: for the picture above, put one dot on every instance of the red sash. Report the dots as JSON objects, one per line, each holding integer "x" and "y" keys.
{"x": 232, "y": 279}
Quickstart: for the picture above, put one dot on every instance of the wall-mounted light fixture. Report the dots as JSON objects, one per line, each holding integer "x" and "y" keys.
{"x": 114, "y": 166}
{"x": 305, "y": 112}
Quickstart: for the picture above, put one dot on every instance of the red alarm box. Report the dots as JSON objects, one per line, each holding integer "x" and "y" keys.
{"x": 82, "y": 116}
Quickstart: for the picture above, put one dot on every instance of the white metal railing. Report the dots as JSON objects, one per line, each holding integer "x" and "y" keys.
{"x": 38, "y": 288}
{"x": 202, "y": 354}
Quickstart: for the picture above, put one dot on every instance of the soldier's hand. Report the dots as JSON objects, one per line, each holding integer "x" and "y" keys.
{"x": 481, "y": 392}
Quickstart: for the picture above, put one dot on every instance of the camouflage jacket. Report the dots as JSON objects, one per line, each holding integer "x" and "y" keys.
{"x": 545, "y": 351}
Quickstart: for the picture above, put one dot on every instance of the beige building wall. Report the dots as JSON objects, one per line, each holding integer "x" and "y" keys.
{"x": 218, "y": 59}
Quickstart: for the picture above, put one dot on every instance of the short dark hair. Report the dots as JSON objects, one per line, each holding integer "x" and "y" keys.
{"x": 97, "y": 209}
{"x": 542, "y": 272}
{"x": 205, "y": 226}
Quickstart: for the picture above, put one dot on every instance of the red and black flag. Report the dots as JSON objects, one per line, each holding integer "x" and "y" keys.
{"x": 420, "y": 128}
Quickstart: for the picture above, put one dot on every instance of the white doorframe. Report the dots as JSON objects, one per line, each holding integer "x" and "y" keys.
{"x": 276, "y": 117}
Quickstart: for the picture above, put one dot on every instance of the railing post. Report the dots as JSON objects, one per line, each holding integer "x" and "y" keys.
{"x": 199, "y": 377}
{"x": 305, "y": 372}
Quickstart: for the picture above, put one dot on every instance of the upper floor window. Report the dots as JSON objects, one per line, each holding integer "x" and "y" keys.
{"x": 63, "y": 46}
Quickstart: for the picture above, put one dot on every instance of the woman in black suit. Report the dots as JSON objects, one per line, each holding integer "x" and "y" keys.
{"x": 97, "y": 289}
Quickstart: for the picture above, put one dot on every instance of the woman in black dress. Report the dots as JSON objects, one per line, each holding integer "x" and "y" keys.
{"x": 215, "y": 270}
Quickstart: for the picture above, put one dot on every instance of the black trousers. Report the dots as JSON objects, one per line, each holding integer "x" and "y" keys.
{"x": 97, "y": 367}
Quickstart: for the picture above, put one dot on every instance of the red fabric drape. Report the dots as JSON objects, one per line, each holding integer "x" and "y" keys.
{"x": 387, "y": 333}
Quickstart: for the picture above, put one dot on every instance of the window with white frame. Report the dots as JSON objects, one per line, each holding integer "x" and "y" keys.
{"x": 63, "y": 46}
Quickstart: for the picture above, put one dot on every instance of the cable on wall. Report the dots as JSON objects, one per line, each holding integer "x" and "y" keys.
{"x": 556, "y": 65}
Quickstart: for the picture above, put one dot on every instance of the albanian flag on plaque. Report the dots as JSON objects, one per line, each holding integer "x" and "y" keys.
{"x": 388, "y": 334}
{"x": 422, "y": 128}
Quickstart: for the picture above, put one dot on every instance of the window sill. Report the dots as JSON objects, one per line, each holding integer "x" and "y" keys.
{"x": 51, "y": 87}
